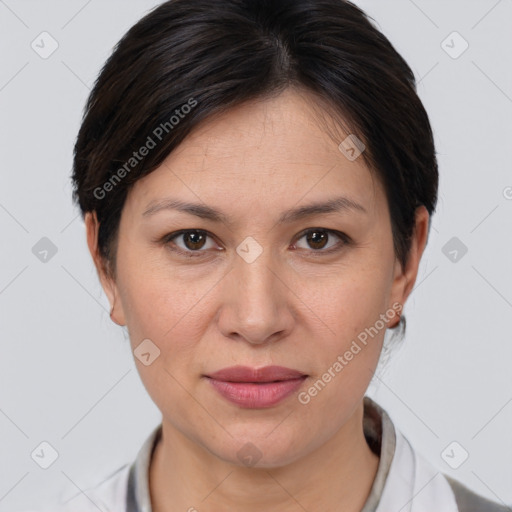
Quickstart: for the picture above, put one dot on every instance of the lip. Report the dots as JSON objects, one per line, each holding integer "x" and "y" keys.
{"x": 247, "y": 374}
{"x": 256, "y": 388}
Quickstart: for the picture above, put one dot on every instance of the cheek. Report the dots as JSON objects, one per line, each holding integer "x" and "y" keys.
{"x": 348, "y": 339}
{"x": 348, "y": 302}
{"x": 172, "y": 315}
{"x": 159, "y": 303}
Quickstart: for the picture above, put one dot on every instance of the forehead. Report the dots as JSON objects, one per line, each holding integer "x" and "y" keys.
{"x": 268, "y": 152}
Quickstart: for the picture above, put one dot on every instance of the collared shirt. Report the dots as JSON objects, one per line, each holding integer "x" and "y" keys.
{"x": 404, "y": 481}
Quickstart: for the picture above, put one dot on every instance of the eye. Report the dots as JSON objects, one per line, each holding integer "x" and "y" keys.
{"x": 319, "y": 239}
{"x": 193, "y": 241}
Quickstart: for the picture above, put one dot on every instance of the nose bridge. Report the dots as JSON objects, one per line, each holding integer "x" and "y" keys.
{"x": 255, "y": 304}
{"x": 256, "y": 287}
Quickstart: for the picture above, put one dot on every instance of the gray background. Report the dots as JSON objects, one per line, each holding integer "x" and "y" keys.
{"x": 66, "y": 372}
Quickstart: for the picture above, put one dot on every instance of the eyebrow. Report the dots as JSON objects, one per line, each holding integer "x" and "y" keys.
{"x": 334, "y": 205}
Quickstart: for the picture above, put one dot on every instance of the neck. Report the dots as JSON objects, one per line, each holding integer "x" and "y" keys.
{"x": 338, "y": 475}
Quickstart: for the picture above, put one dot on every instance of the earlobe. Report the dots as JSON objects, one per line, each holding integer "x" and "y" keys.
{"x": 398, "y": 292}
{"x": 112, "y": 308}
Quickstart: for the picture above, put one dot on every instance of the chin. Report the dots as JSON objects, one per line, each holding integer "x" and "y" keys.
{"x": 259, "y": 450}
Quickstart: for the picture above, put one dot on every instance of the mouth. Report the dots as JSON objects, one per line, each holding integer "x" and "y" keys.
{"x": 265, "y": 374}
{"x": 256, "y": 388}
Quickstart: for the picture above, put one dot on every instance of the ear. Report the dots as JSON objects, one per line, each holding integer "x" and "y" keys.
{"x": 404, "y": 278}
{"x": 106, "y": 279}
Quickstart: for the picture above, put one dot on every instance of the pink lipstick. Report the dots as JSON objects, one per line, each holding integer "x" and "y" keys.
{"x": 256, "y": 388}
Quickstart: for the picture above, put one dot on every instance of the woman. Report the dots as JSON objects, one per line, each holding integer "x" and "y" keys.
{"x": 257, "y": 180}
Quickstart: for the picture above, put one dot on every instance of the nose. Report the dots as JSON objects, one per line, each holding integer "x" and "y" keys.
{"x": 257, "y": 303}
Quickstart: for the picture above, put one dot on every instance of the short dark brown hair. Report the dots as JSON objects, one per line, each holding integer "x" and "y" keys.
{"x": 186, "y": 61}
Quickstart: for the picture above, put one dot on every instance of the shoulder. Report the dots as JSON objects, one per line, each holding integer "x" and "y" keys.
{"x": 469, "y": 501}
{"x": 415, "y": 480}
{"x": 456, "y": 495}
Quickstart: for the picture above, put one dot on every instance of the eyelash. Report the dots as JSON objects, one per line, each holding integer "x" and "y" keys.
{"x": 168, "y": 240}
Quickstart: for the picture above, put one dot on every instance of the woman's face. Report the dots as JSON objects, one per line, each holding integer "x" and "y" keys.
{"x": 254, "y": 290}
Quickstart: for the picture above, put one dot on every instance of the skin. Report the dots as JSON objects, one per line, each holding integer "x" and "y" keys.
{"x": 293, "y": 306}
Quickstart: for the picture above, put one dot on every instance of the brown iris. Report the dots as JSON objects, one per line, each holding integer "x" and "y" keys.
{"x": 317, "y": 239}
{"x": 194, "y": 239}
